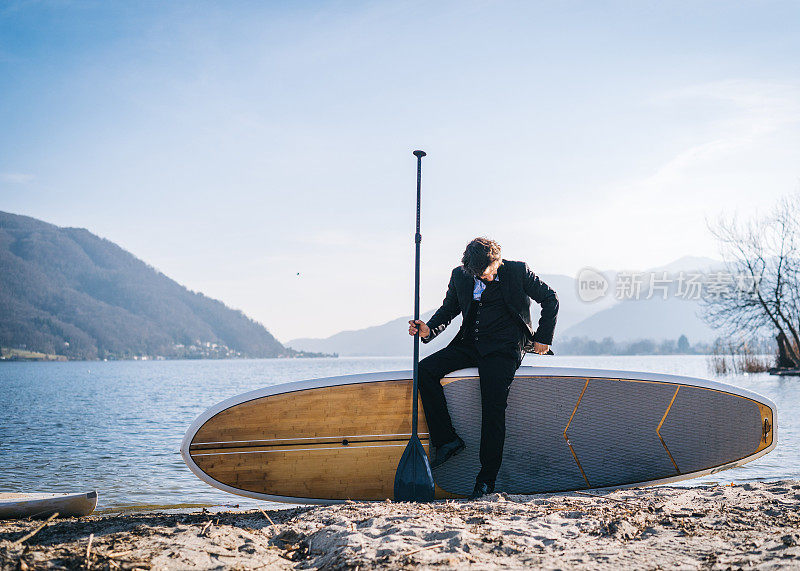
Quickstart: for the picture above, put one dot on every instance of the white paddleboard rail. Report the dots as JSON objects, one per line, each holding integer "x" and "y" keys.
{"x": 526, "y": 372}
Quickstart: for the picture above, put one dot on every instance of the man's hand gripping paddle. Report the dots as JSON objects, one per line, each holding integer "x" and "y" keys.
{"x": 413, "y": 481}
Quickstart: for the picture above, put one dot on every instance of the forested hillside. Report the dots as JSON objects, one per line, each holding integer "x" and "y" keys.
{"x": 68, "y": 292}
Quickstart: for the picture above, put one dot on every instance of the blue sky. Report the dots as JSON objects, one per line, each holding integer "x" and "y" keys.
{"x": 235, "y": 144}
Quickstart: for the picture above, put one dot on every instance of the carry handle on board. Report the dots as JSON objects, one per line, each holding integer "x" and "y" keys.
{"x": 413, "y": 481}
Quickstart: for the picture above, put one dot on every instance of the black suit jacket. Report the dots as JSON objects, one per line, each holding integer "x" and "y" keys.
{"x": 519, "y": 285}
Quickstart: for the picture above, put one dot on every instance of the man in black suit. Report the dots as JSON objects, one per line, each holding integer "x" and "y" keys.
{"x": 493, "y": 296}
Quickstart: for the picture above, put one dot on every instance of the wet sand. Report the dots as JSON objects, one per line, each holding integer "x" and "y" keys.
{"x": 715, "y": 527}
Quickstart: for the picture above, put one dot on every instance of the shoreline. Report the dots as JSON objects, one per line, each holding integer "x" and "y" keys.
{"x": 55, "y": 358}
{"x": 714, "y": 526}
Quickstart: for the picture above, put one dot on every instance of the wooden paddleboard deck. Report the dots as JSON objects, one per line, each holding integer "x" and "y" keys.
{"x": 339, "y": 438}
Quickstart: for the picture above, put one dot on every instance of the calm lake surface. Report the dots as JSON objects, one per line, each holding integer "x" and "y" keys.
{"x": 117, "y": 426}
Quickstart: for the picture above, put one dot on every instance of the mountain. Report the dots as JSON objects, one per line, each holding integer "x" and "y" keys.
{"x": 655, "y": 318}
{"x": 690, "y": 264}
{"x": 66, "y": 291}
{"x": 392, "y": 338}
{"x": 383, "y": 340}
{"x": 606, "y": 316}
{"x": 571, "y": 309}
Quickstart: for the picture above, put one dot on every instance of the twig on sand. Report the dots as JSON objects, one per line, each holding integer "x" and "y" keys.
{"x": 205, "y": 528}
{"x": 89, "y": 551}
{"x": 115, "y": 554}
{"x": 435, "y": 545}
{"x": 220, "y": 554}
{"x": 109, "y": 559}
{"x": 269, "y": 519}
{"x": 35, "y": 531}
{"x": 600, "y": 497}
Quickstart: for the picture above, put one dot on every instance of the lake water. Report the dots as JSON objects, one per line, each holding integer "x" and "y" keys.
{"x": 117, "y": 426}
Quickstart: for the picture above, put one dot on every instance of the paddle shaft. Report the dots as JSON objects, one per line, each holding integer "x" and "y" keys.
{"x": 413, "y": 480}
{"x": 417, "y": 242}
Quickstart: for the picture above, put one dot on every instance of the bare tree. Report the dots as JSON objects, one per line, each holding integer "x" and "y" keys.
{"x": 762, "y": 255}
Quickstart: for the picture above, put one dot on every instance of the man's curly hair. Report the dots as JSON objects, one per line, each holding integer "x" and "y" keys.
{"x": 479, "y": 255}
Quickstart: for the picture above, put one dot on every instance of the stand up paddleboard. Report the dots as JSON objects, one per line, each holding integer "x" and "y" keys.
{"x": 339, "y": 438}
{"x": 17, "y": 506}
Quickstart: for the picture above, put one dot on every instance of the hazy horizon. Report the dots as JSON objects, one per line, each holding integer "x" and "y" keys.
{"x": 261, "y": 153}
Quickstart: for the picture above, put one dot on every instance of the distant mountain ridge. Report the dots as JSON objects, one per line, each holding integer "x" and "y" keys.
{"x": 66, "y": 291}
{"x": 387, "y": 339}
{"x": 392, "y": 338}
{"x": 654, "y": 319}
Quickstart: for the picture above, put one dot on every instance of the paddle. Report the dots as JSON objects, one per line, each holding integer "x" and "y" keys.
{"x": 413, "y": 481}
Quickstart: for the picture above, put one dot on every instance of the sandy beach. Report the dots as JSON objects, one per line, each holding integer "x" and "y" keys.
{"x": 717, "y": 527}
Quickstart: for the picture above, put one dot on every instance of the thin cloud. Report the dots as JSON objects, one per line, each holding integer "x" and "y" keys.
{"x": 758, "y": 111}
{"x": 17, "y": 177}
{"x": 753, "y": 107}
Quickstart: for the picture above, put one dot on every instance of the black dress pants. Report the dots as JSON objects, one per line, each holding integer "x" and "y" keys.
{"x": 496, "y": 371}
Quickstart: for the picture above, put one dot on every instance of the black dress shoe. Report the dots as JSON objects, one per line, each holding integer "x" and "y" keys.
{"x": 481, "y": 489}
{"x": 446, "y": 451}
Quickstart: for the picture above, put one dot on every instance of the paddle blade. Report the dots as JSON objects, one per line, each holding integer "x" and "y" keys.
{"x": 413, "y": 481}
